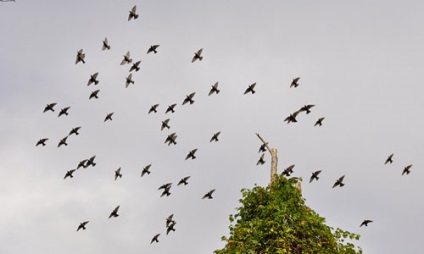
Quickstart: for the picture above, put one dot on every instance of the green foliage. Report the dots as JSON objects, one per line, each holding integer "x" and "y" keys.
{"x": 275, "y": 220}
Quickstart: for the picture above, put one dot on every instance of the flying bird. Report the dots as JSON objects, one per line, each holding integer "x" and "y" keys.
{"x": 389, "y": 159}
{"x": 114, "y": 213}
{"x": 365, "y": 223}
{"x": 197, "y": 55}
{"x": 214, "y": 89}
{"x": 307, "y": 108}
{"x": 74, "y": 131}
{"x": 82, "y": 164}
{"x": 215, "y": 137}
{"x": 146, "y": 170}
{"x": 183, "y": 181}
{"x": 339, "y": 182}
{"x": 155, "y": 239}
{"x": 314, "y": 176}
{"x": 261, "y": 160}
{"x": 319, "y": 121}
{"x": 294, "y": 82}
{"x": 93, "y": 79}
{"x": 171, "y": 108}
{"x": 165, "y": 124}
{"x": 135, "y": 66}
{"x": 292, "y": 117}
{"x": 250, "y": 89}
{"x": 153, "y": 49}
{"x": 153, "y": 108}
{"x": 94, "y": 94}
{"x": 189, "y": 98}
{"x": 80, "y": 57}
{"x": 171, "y": 139}
{"x": 69, "y": 173}
{"x": 169, "y": 220}
{"x": 63, "y": 142}
{"x": 49, "y": 107}
{"x": 262, "y": 148}
{"x": 288, "y": 171}
{"x": 127, "y": 59}
{"x": 209, "y": 194}
{"x": 133, "y": 13}
{"x": 171, "y": 227}
{"x": 82, "y": 225}
{"x": 90, "y": 162}
{"x": 105, "y": 44}
{"x": 118, "y": 173}
{"x": 191, "y": 154}
{"x": 42, "y": 142}
{"x": 407, "y": 170}
{"x": 165, "y": 186}
{"x": 64, "y": 111}
{"x": 129, "y": 80}
{"x": 108, "y": 117}
{"x": 166, "y": 191}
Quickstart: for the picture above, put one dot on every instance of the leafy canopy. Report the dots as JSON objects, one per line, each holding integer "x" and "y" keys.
{"x": 275, "y": 220}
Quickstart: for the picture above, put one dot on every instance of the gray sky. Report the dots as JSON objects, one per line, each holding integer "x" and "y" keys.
{"x": 359, "y": 62}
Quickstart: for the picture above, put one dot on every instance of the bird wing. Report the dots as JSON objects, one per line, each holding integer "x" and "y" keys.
{"x": 199, "y": 52}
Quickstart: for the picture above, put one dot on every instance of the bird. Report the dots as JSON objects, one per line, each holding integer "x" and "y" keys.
{"x": 118, "y": 173}
{"x": 215, "y": 137}
{"x": 153, "y": 108}
{"x": 80, "y": 57}
{"x": 165, "y": 124}
{"x": 262, "y": 148}
{"x": 183, "y": 181}
{"x": 108, "y": 117}
{"x": 74, "y": 131}
{"x": 69, "y": 173}
{"x": 166, "y": 191}
{"x": 129, "y": 80}
{"x": 171, "y": 139}
{"x": 389, "y": 159}
{"x": 82, "y": 164}
{"x": 250, "y": 89}
{"x": 407, "y": 170}
{"x": 365, "y": 223}
{"x": 64, "y": 111}
{"x": 288, "y": 171}
{"x": 171, "y": 108}
{"x": 90, "y": 162}
{"x": 209, "y": 194}
{"x": 133, "y": 13}
{"x": 93, "y": 79}
{"x": 127, "y": 59}
{"x": 294, "y": 82}
{"x": 153, "y": 49}
{"x": 319, "y": 121}
{"x": 94, "y": 94}
{"x": 63, "y": 142}
{"x": 307, "y": 108}
{"x": 135, "y": 66}
{"x": 191, "y": 154}
{"x": 169, "y": 220}
{"x": 314, "y": 176}
{"x": 155, "y": 239}
{"x": 82, "y": 225}
{"x": 214, "y": 89}
{"x": 114, "y": 213}
{"x": 105, "y": 44}
{"x": 261, "y": 160}
{"x": 189, "y": 98}
{"x": 171, "y": 227}
{"x": 42, "y": 142}
{"x": 197, "y": 55}
{"x": 339, "y": 182}
{"x": 146, "y": 170}
{"x": 165, "y": 186}
{"x": 49, "y": 107}
{"x": 292, "y": 117}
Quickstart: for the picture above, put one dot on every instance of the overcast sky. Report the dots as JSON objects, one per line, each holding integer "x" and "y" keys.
{"x": 359, "y": 62}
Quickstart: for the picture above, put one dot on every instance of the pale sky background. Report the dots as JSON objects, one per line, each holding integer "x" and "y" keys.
{"x": 360, "y": 62}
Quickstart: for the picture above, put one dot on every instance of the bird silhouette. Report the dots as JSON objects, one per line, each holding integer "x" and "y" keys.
{"x": 94, "y": 94}
{"x": 169, "y": 220}
{"x": 105, "y": 44}
{"x": 82, "y": 163}
{"x": 250, "y": 89}
{"x": 262, "y": 148}
{"x": 108, "y": 117}
{"x": 153, "y": 108}
{"x": 307, "y": 108}
{"x": 69, "y": 173}
{"x": 114, "y": 213}
{"x": 314, "y": 176}
{"x": 75, "y": 131}
{"x": 118, "y": 173}
{"x": 209, "y": 194}
{"x": 171, "y": 108}
{"x": 49, "y": 107}
{"x": 90, "y": 162}
{"x": 63, "y": 142}
{"x": 365, "y": 223}
{"x": 166, "y": 189}
{"x": 339, "y": 182}
{"x": 64, "y": 111}
{"x": 80, "y": 57}
{"x": 171, "y": 139}
{"x": 215, "y": 137}
{"x": 389, "y": 159}
{"x": 155, "y": 239}
{"x": 135, "y": 66}
{"x": 42, "y": 142}
{"x": 183, "y": 181}
{"x": 165, "y": 124}
{"x": 261, "y": 160}
{"x": 133, "y": 13}
{"x": 146, "y": 170}
{"x": 407, "y": 170}
{"x": 214, "y": 89}
{"x": 288, "y": 171}
{"x": 165, "y": 186}
{"x": 82, "y": 225}
{"x": 197, "y": 55}
{"x": 189, "y": 98}
{"x": 93, "y": 79}
{"x": 153, "y": 49}
{"x": 191, "y": 154}
{"x": 319, "y": 121}
{"x": 127, "y": 59}
{"x": 129, "y": 80}
{"x": 294, "y": 82}
{"x": 171, "y": 227}
{"x": 292, "y": 117}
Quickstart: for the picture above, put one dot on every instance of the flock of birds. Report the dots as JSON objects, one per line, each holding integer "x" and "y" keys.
{"x": 171, "y": 139}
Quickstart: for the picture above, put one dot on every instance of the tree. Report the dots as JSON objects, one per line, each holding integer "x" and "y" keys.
{"x": 275, "y": 220}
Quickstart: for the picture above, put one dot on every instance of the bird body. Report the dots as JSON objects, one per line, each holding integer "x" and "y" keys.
{"x": 105, "y": 44}
{"x": 171, "y": 108}
{"x": 146, "y": 170}
{"x": 165, "y": 124}
{"x": 294, "y": 82}
{"x": 129, "y": 80}
{"x": 63, "y": 142}
{"x": 215, "y": 137}
{"x": 307, "y": 108}
{"x": 118, "y": 173}
{"x": 319, "y": 121}
{"x": 365, "y": 223}
{"x": 94, "y": 94}
{"x": 69, "y": 173}
{"x": 108, "y": 117}
{"x": 189, "y": 98}
{"x": 389, "y": 159}
{"x": 127, "y": 58}
{"x": 261, "y": 160}
{"x": 49, "y": 107}
{"x": 171, "y": 139}
{"x": 197, "y": 55}
{"x": 153, "y": 108}
{"x": 135, "y": 66}
{"x": 114, "y": 213}
{"x": 314, "y": 176}
{"x": 64, "y": 111}
{"x": 209, "y": 194}
{"x": 288, "y": 171}
{"x": 93, "y": 79}
{"x": 80, "y": 57}
{"x": 183, "y": 181}
{"x": 133, "y": 13}
{"x": 292, "y": 117}
{"x": 339, "y": 182}
{"x": 214, "y": 89}
{"x": 82, "y": 225}
{"x": 90, "y": 162}
{"x": 74, "y": 131}
{"x": 42, "y": 142}
{"x": 191, "y": 154}
{"x": 153, "y": 49}
{"x": 250, "y": 89}
{"x": 407, "y": 170}
{"x": 155, "y": 239}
